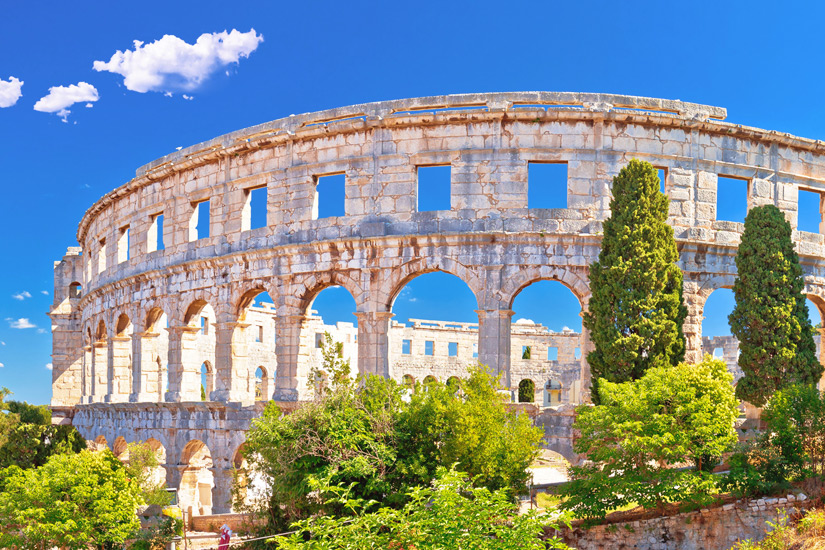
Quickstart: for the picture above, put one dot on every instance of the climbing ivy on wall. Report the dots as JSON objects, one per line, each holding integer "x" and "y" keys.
{"x": 770, "y": 318}
{"x": 636, "y": 311}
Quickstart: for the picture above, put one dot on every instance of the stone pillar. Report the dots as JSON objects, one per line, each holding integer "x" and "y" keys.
{"x": 373, "y": 342}
{"x": 692, "y": 326}
{"x": 86, "y": 375}
{"x": 494, "y": 341}
{"x": 288, "y": 330}
{"x": 119, "y": 385}
{"x": 222, "y": 490}
{"x": 586, "y": 346}
{"x": 184, "y": 384}
{"x": 231, "y": 364}
{"x": 145, "y": 371}
{"x": 100, "y": 371}
{"x": 822, "y": 356}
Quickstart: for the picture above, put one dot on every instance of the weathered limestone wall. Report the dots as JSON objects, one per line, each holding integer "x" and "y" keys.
{"x": 706, "y": 529}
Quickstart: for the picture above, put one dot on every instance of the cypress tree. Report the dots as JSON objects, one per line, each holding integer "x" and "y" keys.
{"x": 770, "y": 318}
{"x": 636, "y": 311}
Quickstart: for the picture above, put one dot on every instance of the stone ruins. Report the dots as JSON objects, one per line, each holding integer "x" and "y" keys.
{"x": 161, "y": 294}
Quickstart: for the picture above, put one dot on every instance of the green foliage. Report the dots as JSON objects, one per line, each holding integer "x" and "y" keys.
{"x": 158, "y": 537}
{"x": 31, "y": 414}
{"x": 362, "y": 433}
{"x": 73, "y": 501}
{"x": 642, "y": 429}
{"x": 770, "y": 318}
{"x": 203, "y": 393}
{"x": 636, "y": 312}
{"x": 526, "y": 391}
{"x": 451, "y": 515}
{"x": 31, "y": 445}
{"x": 335, "y": 369}
{"x": 792, "y": 447}
{"x": 140, "y": 467}
{"x": 526, "y": 353}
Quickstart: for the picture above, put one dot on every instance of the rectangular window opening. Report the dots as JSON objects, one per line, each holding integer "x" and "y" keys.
{"x": 259, "y": 337}
{"x": 718, "y": 353}
{"x": 428, "y": 347}
{"x": 662, "y": 173}
{"x": 204, "y": 325}
{"x": 452, "y": 349}
{"x": 577, "y": 353}
{"x": 406, "y": 346}
{"x": 546, "y": 185}
{"x": 552, "y": 354}
{"x": 199, "y": 223}
{"x": 434, "y": 188}
{"x": 257, "y": 208}
{"x": 526, "y": 352}
{"x": 154, "y": 237}
{"x": 810, "y": 211}
{"x": 731, "y": 199}
{"x": 475, "y": 351}
{"x": 319, "y": 340}
{"x": 101, "y": 257}
{"x": 123, "y": 245}
{"x": 330, "y": 195}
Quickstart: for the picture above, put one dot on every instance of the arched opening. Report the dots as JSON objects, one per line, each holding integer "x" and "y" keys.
{"x": 331, "y": 311}
{"x": 429, "y": 380}
{"x": 100, "y": 364}
{"x": 197, "y": 479}
{"x": 816, "y": 307}
{"x": 262, "y": 391}
{"x": 546, "y": 340}
{"x": 717, "y": 339}
{"x": 200, "y": 319}
{"x": 526, "y": 391}
{"x": 207, "y": 381}
{"x": 155, "y": 354}
{"x": 158, "y": 474}
{"x": 257, "y": 312}
{"x": 409, "y": 382}
{"x": 121, "y": 361}
{"x": 552, "y": 393}
{"x": 75, "y": 291}
{"x": 121, "y": 449}
{"x": 100, "y": 443}
{"x": 434, "y": 331}
{"x": 100, "y": 335}
{"x": 454, "y": 383}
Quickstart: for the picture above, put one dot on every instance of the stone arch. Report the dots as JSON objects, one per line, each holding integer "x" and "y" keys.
{"x": 123, "y": 326}
{"x": 100, "y": 443}
{"x": 552, "y": 392}
{"x": 399, "y": 277}
{"x": 100, "y": 333}
{"x": 152, "y": 317}
{"x": 75, "y": 290}
{"x": 262, "y": 384}
{"x": 308, "y": 286}
{"x": 454, "y": 382}
{"x": 194, "y": 309}
{"x": 429, "y": 379}
{"x": 158, "y": 474}
{"x": 120, "y": 449}
{"x": 247, "y": 297}
{"x": 574, "y": 281}
{"x": 408, "y": 380}
{"x": 197, "y": 479}
{"x": 526, "y": 391}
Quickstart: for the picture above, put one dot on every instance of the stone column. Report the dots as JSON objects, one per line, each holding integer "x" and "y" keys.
{"x": 86, "y": 375}
{"x": 145, "y": 371}
{"x": 373, "y": 342}
{"x": 183, "y": 370}
{"x": 231, "y": 364}
{"x": 222, "y": 490}
{"x": 586, "y": 346}
{"x": 120, "y": 367}
{"x": 288, "y": 330}
{"x": 494, "y": 341}
{"x": 692, "y": 326}
{"x": 100, "y": 370}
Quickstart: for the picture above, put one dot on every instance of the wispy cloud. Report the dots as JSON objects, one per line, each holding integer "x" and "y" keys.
{"x": 49, "y": 366}
{"x": 21, "y": 295}
{"x": 44, "y": 292}
{"x": 10, "y": 91}
{"x": 60, "y": 98}
{"x": 170, "y": 64}
{"x": 21, "y": 323}
{"x": 41, "y": 331}
{"x": 2, "y": 365}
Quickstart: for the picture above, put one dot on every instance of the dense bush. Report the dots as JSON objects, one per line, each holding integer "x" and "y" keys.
{"x": 364, "y": 434}
{"x": 643, "y": 430}
{"x": 450, "y": 515}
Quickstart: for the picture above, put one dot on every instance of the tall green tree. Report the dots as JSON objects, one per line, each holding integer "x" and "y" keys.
{"x": 636, "y": 311}
{"x": 770, "y": 318}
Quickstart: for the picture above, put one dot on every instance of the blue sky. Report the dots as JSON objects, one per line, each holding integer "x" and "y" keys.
{"x": 759, "y": 60}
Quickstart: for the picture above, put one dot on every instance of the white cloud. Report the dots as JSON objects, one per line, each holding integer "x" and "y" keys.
{"x": 48, "y": 366}
{"x": 10, "y": 91}
{"x": 41, "y": 331}
{"x": 21, "y": 323}
{"x": 60, "y": 98}
{"x": 21, "y": 295}
{"x": 188, "y": 97}
{"x": 2, "y": 365}
{"x": 2, "y": 343}
{"x": 170, "y": 64}
{"x": 44, "y": 292}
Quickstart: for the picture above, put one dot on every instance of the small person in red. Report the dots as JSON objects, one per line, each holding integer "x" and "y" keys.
{"x": 223, "y": 544}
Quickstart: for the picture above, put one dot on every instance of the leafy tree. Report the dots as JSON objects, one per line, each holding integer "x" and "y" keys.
{"x": 643, "y": 429}
{"x": 450, "y": 515}
{"x": 141, "y": 465}
{"x": 636, "y": 311}
{"x": 31, "y": 445}
{"x": 770, "y": 318}
{"x": 31, "y": 414}
{"x": 73, "y": 501}
{"x": 526, "y": 391}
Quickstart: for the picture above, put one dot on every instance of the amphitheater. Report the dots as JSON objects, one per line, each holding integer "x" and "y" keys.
{"x": 163, "y": 291}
